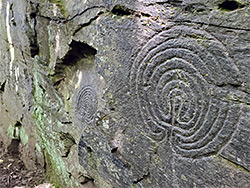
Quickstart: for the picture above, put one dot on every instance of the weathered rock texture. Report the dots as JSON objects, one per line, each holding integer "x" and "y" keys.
{"x": 135, "y": 93}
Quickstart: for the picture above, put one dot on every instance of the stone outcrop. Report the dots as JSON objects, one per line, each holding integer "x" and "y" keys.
{"x": 135, "y": 93}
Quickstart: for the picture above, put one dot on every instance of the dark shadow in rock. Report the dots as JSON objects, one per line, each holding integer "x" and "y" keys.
{"x": 230, "y": 5}
{"x": 2, "y": 87}
{"x": 78, "y": 51}
{"x": 121, "y": 10}
{"x": 13, "y": 148}
{"x": 68, "y": 142}
{"x": 114, "y": 150}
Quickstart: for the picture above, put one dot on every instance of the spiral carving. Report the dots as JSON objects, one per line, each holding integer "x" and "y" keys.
{"x": 86, "y": 105}
{"x": 173, "y": 78}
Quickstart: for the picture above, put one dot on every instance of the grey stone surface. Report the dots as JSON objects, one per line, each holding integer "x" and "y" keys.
{"x": 121, "y": 93}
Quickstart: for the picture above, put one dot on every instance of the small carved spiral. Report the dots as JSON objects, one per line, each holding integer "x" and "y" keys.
{"x": 86, "y": 105}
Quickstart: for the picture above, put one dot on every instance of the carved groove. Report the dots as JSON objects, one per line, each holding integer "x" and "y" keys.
{"x": 173, "y": 78}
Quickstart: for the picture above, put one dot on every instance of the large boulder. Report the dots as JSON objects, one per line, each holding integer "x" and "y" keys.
{"x": 135, "y": 93}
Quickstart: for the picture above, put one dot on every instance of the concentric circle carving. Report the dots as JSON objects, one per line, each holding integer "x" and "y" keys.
{"x": 86, "y": 105}
{"x": 173, "y": 78}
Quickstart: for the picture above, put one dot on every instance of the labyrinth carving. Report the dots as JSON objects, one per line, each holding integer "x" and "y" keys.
{"x": 86, "y": 105}
{"x": 175, "y": 79}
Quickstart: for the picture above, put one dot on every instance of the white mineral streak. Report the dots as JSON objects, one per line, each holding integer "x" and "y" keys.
{"x": 57, "y": 42}
{"x": 118, "y": 140}
{"x": 106, "y": 124}
{"x": 54, "y": 9}
{"x": 79, "y": 75}
{"x": 12, "y": 50}
{"x": 101, "y": 78}
{"x": 1, "y": 5}
{"x": 17, "y": 74}
{"x": 57, "y": 46}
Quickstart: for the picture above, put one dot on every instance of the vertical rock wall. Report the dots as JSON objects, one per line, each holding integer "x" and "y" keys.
{"x": 128, "y": 93}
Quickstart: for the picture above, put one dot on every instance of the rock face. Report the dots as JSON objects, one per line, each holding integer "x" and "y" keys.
{"x": 142, "y": 93}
